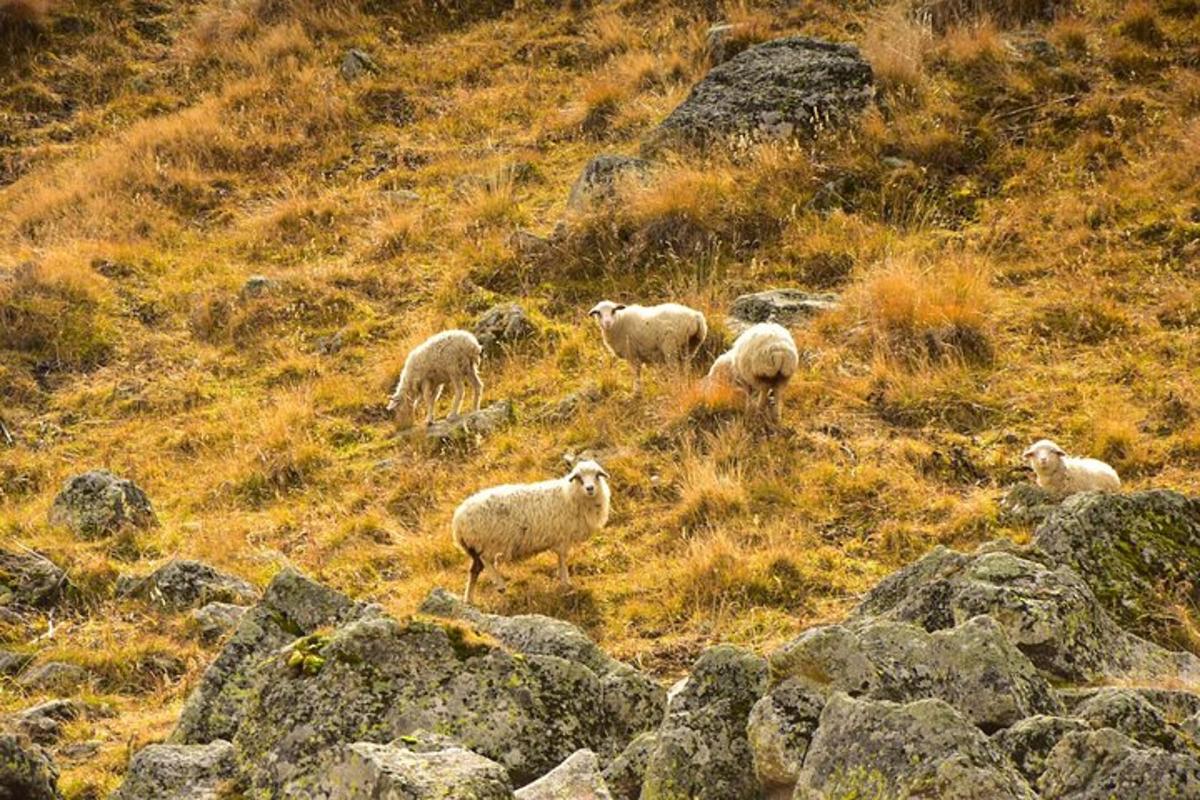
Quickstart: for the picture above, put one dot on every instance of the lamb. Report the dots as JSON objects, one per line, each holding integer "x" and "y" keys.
{"x": 1062, "y": 475}
{"x": 450, "y": 357}
{"x": 760, "y": 363}
{"x": 513, "y": 522}
{"x": 669, "y": 333}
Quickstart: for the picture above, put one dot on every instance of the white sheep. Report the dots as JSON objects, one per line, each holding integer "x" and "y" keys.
{"x": 1062, "y": 475}
{"x": 513, "y": 522}
{"x": 760, "y": 363}
{"x": 450, "y": 357}
{"x": 669, "y": 333}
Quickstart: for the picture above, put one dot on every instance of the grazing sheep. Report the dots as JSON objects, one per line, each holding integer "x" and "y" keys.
{"x": 669, "y": 333}
{"x": 513, "y": 522}
{"x": 449, "y": 357}
{"x": 1062, "y": 475}
{"x": 760, "y": 363}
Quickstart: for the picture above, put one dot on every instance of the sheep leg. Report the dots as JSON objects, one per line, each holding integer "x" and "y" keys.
{"x": 430, "y": 396}
{"x": 476, "y": 386}
{"x": 472, "y": 577}
{"x": 564, "y": 576}
{"x": 456, "y": 406}
{"x": 637, "y": 377}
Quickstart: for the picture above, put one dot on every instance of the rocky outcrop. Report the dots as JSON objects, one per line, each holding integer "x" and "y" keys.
{"x": 601, "y": 178}
{"x": 179, "y": 772}
{"x": 778, "y": 89}
{"x": 1026, "y": 504}
{"x": 1028, "y": 743}
{"x": 26, "y": 772}
{"x": 785, "y": 306}
{"x": 98, "y": 503}
{"x": 30, "y": 580}
{"x": 469, "y": 427}
{"x": 504, "y": 324}
{"x": 1103, "y": 764}
{"x": 180, "y": 584}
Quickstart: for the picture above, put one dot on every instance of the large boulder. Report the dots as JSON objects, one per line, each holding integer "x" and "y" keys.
{"x": 1127, "y": 711}
{"x": 577, "y": 778}
{"x": 397, "y": 772}
{"x": 701, "y": 752}
{"x": 503, "y": 324}
{"x": 1106, "y": 764}
{"x": 780, "y": 727}
{"x": 1029, "y": 742}
{"x": 1128, "y": 547}
{"x": 179, "y": 772}
{"x": 601, "y": 178}
{"x": 28, "y": 579}
{"x": 866, "y": 748}
{"x": 778, "y": 89}
{"x": 97, "y": 503}
{"x": 292, "y": 606}
{"x": 180, "y": 584}
{"x": 26, "y": 772}
{"x": 215, "y": 620}
{"x": 784, "y": 306}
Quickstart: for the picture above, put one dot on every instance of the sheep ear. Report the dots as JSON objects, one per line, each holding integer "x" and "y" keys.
{"x": 1058, "y": 451}
{"x": 574, "y": 476}
{"x": 1028, "y": 453}
{"x": 594, "y": 313}
{"x": 618, "y": 307}
{"x": 603, "y": 474}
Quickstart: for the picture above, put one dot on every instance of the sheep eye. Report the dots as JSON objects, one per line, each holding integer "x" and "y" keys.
{"x": 603, "y": 474}
{"x": 576, "y": 479}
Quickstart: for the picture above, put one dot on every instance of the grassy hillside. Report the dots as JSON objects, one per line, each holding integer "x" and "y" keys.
{"x": 1014, "y": 228}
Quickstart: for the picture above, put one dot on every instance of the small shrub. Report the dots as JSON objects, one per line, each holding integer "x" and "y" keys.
{"x": 1139, "y": 23}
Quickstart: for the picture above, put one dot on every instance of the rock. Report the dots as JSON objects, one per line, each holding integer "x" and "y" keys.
{"x": 471, "y": 426}
{"x": 80, "y": 751}
{"x": 402, "y": 197}
{"x": 1050, "y": 615}
{"x": 625, "y": 773}
{"x": 785, "y": 306}
{"x": 701, "y": 751}
{"x": 1128, "y": 712}
{"x": 97, "y": 503}
{"x": 1126, "y": 546}
{"x": 1026, "y": 504}
{"x": 357, "y": 63}
{"x": 394, "y": 772}
{"x": 28, "y": 579}
{"x": 43, "y": 723}
{"x": 179, "y": 772}
{"x": 503, "y": 324}
{"x": 717, "y": 41}
{"x": 26, "y": 773}
{"x": 54, "y": 676}
{"x": 527, "y": 245}
{"x": 577, "y": 778}
{"x": 779, "y": 729}
{"x": 257, "y": 286}
{"x": 1029, "y": 742}
{"x": 12, "y": 663}
{"x": 777, "y": 89}
{"x": 292, "y": 606}
{"x": 566, "y": 408}
{"x": 217, "y": 619}
{"x": 601, "y": 178}
{"x": 1105, "y": 764}
{"x": 925, "y": 748}
{"x": 180, "y": 584}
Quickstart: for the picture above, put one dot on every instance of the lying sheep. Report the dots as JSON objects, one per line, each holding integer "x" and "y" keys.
{"x": 1062, "y": 475}
{"x": 760, "y": 363}
{"x": 669, "y": 333}
{"x": 513, "y": 522}
{"x": 449, "y": 357}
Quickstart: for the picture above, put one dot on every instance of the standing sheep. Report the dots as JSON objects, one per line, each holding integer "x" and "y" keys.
{"x": 669, "y": 333}
{"x": 760, "y": 363}
{"x": 513, "y": 522}
{"x": 1062, "y": 475}
{"x": 449, "y": 357}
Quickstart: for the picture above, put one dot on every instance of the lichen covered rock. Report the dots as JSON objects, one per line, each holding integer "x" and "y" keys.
{"x": 395, "y": 772}
{"x": 178, "y": 772}
{"x": 28, "y": 579}
{"x": 97, "y": 503}
{"x": 1106, "y": 764}
{"x": 182, "y": 584}
{"x": 577, "y": 778}
{"x": 26, "y": 772}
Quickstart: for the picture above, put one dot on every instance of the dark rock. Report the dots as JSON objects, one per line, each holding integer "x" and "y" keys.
{"x": 625, "y": 773}
{"x": 54, "y": 676}
{"x": 1126, "y": 547}
{"x": 471, "y": 426}
{"x": 43, "y": 723}
{"x": 1029, "y": 742}
{"x": 357, "y": 63}
{"x": 178, "y": 772}
{"x": 577, "y": 778}
{"x": 1026, "y": 504}
{"x": 528, "y": 245}
{"x": 217, "y": 619}
{"x": 503, "y": 324}
{"x": 396, "y": 772}
{"x": 28, "y": 579}
{"x": 565, "y": 409}
{"x": 1106, "y": 764}
{"x": 258, "y": 286}
{"x": 778, "y": 89}
{"x": 26, "y": 772}
{"x": 1127, "y": 711}
{"x": 12, "y": 663}
{"x": 180, "y": 584}
{"x": 785, "y": 306}
{"x": 602, "y": 176}
{"x": 780, "y": 727}
{"x": 98, "y": 503}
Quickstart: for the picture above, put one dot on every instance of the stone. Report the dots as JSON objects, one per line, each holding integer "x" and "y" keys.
{"x": 357, "y": 63}
{"x": 395, "y": 772}
{"x": 601, "y": 178}
{"x": 1026, "y": 504}
{"x": 506, "y": 323}
{"x": 258, "y": 286}
{"x": 577, "y": 778}
{"x": 12, "y": 663}
{"x": 43, "y": 723}
{"x": 471, "y": 426}
{"x": 26, "y": 772}
{"x": 181, "y": 584}
{"x": 30, "y": 580}
{"x": 625, "y": 773}
{"x": 54, "y": 676}
{"x": 784, "y": 306}
{"x": 778, "y": 89}
{"x": 877, "y": 748}
{"x": 1105, "y": 764}
{"x": 97, "y": 503}
{"x": 1127, "y": 711}
{"x": 1028, "y": 743}
{"x": 779, "y": 729}
{"x": 179, "y": 772}
{"x": 215, "y": 620}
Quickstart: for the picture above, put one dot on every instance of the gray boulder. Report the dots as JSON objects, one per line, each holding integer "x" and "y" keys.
{"x": 26, "y": 772}
{"x": 625, "y": 773}
{"x": 292, "y": 606}
{"x": 876, "y": 748}
{"x": 12, "y": 663}
{"x": 257, "y": 286}
{"x": 577, "y": 778}
{"x": 215, "y": 620}
{"x": 179, "y": 772}
{"x": 1127, "y": 711}
{"x": 469, "y": 427}
{"x": 1125, "y": 546}
{"x": 1029, "y": 742}
{"x": 43, "y": 723}
{"x": 180, "y": 584}
{"x": 28, "y": 579}
{"x": 601, "y": 176}
{"x": 785, "y": 306}
{"x": 503, "y": 324}
{"x": 780, "y": 727}
{"x": 1106, "y": 764}
{"x": 96, "y": 503}
{"x": 1026, "y": 504}
{"x": 778, "y": 89}
{"x": 54, "y": 676}
{"x": 701, "y": 752}
{"x": 395, "y": 772}
{"x": 357, "y": 63}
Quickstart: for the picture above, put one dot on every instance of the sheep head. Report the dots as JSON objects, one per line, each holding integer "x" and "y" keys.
{"x": 605, "y": 312}
{"x": 1044, "y": 456}
{"x": 588, "y": 477}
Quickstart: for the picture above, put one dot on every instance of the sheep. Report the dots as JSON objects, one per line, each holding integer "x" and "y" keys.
{"x": 450, "y": 357}
{"x": 1062, "y": 475}
{"x": 669, "y": 333}
{"x": 760, "y": 363}
{"x": 515, "y": 521}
